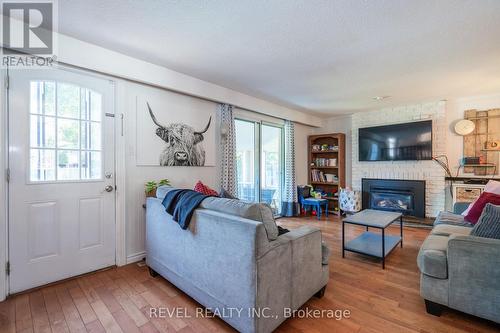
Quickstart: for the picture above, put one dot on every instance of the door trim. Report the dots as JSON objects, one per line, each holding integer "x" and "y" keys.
{"x": 120, "y": 227}
{"x": 4, "y": 203}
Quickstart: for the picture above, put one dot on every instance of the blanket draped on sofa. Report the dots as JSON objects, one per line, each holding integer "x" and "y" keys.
{"x": 181, "y": 205}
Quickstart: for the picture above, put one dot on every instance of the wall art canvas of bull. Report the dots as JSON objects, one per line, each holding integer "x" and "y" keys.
{"x": 180, "y": 136}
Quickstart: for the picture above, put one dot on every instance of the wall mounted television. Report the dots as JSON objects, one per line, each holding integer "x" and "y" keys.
{"x": 399, "y": 142}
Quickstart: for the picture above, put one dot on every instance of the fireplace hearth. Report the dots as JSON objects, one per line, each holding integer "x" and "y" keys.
{"x": 405, "y": 196}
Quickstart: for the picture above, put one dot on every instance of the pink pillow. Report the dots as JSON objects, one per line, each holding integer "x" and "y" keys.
{"x": 477, "y": 209}
{"x": 204, "y": 189}
{"x": 492, "y": 186}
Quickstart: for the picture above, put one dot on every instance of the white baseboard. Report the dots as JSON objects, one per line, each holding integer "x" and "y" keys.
{"x": 136, "y": 257}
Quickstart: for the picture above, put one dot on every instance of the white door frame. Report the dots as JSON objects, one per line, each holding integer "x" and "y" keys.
{"x": 3, "y": 188}
{"x": 120, "y": 197}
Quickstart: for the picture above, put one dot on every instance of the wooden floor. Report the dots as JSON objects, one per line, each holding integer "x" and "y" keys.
{"x": 118, "y": 300}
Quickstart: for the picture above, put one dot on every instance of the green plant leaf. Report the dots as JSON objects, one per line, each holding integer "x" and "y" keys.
{"x": 164, "y": 182}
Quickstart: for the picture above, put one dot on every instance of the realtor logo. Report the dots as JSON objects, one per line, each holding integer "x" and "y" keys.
{"x": 28, "y": 28}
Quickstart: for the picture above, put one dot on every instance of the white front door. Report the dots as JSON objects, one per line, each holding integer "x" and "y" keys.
{"x": 61, "y": 190}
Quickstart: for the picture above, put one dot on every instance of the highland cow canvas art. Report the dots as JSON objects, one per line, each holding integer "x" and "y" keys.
{"x": 175, "y": 134}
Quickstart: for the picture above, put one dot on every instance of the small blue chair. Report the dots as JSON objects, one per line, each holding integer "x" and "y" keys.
{"x": 311, "y": 202}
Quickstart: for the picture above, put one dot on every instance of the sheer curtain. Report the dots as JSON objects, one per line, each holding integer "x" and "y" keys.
{"x": 228, "y": 153}
{"x": 289, "y": 206}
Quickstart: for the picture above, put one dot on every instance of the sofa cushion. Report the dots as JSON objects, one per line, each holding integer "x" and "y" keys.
{"x": 223, "y": 193}
{"x": 492, "y": 186}
{"x": 432, "y": 259}
{"x": 448, "y": 229}
{"x": 477, "y": 209}
{"x": 489, "y": 223}
{"x": 450, "y": 218}
{"x": 250, "y": 210}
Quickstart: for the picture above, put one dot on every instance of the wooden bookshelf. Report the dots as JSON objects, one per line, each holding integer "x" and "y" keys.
{"x": 324, "y": 165}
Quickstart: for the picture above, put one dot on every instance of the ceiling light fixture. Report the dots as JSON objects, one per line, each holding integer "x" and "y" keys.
{"x": 379, "y": 98}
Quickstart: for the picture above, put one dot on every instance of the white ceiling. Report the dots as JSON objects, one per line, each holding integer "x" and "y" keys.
{"x": 328, "y": 57}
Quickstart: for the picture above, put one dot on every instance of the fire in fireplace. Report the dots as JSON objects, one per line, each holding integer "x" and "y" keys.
{"x": 392, "y": 201}
{"x": 405, "y": 196}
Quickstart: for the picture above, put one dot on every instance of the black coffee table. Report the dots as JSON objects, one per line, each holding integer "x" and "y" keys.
{"x": 370, "y": 243}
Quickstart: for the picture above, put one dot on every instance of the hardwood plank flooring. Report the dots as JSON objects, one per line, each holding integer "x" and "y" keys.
{"x": 120, "y": 299}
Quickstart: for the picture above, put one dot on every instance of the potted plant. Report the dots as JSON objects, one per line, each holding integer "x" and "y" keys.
{"x": 151, "y": 186}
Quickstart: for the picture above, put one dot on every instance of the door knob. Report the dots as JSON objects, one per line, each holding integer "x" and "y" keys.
{"x": 108, "y": 188}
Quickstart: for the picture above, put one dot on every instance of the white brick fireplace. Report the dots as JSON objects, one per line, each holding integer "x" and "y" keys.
{"x": 429, "y": 171}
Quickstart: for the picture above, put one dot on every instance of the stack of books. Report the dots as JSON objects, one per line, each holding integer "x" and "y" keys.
{"x": 324, "y": 162}
{"x": 319, "y": 176}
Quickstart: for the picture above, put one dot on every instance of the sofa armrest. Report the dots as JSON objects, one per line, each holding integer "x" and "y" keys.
{"x": 289, "y": 273}
{"x": 309, "y": 275}
{"x": 474, "y": 275}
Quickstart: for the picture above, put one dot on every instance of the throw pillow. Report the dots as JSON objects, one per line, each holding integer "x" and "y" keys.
{"x": 204, "y": 189}
{"x": 225, "y": 194}
{"x": 489, "y": 223}
{"x": 492, "y": 186}
{"x": 477, "y": 209}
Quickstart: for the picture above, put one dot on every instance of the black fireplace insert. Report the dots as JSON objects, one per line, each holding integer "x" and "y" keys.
{"x": 405, "y": 196}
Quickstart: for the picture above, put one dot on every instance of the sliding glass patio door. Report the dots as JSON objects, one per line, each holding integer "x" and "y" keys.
{"x": 259, "y": 154}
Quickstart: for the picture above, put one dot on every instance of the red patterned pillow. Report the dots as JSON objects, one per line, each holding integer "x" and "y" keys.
{"x": 204, "y": 189}
{"x": 477, "y": 208}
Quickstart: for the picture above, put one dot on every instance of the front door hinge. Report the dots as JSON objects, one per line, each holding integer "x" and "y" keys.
{"x": 7, "y": 81}
{"x": 7, "y": 176}
{"x": 7, "y": 267}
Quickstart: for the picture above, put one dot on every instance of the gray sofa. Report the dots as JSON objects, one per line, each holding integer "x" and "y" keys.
{"x": 231, "y": 257}
{"x": 458, "y": 270}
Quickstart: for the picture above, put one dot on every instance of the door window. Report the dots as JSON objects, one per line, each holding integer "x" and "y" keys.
{"x": 65, "y": 132}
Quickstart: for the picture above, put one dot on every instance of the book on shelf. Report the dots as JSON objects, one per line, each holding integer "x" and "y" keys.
{"x": 325, "y": 162}
{"x": 320, "y": 176}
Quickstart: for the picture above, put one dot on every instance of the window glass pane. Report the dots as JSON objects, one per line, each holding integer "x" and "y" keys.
{"x": 42, "y": 165}
{"x": 91, "y": 165}
{"x": 68, "y": 100}
{"x": 42, "y": 100}
{"x": 91, "y": 135}
{"x": 86, "y": 107}
{"x": 95, "y": 106}
{"x": 245, "y": 160}
{"x": 92, "y": 106}
{"x": 68, "y": 165}
{"x": 68, "y": 132}
{"x": 270, "y": 174}
{"x": 42, "y": 131}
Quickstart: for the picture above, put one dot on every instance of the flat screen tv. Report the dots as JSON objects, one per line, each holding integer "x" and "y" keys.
{"x": 400, "y": 142}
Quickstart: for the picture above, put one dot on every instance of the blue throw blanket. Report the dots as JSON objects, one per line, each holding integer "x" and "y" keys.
{"x": 181, "y": 205}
